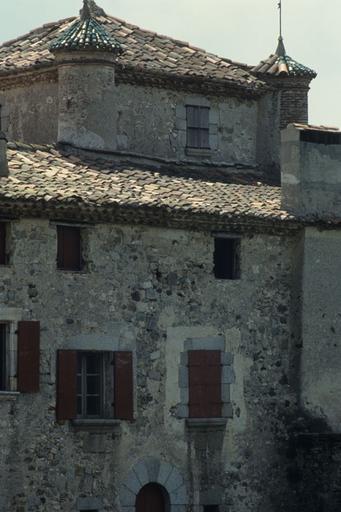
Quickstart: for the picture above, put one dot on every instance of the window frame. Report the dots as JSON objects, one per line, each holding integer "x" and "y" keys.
{"x": 82, "y": 355}
{"x": 4, "y": 356}
{"x": 201, "y": 129}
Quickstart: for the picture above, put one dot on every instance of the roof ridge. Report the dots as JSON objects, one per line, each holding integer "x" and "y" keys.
{"x": 37, "y": 30}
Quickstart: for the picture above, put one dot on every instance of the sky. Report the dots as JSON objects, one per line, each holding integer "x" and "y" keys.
{"x": 241, "y": 30}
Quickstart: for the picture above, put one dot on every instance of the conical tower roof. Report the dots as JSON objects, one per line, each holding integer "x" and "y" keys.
{"x": 86, "y": 33}
{"x": 280, "y": 64}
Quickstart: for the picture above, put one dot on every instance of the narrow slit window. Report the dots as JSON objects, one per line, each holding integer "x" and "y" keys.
{"x": 3, "y": 243}
{"x": 69, "y": 248}
{"x": 198, "y": 127}
{"x": 3, "y": 358}
{"x": 227, "y": 258}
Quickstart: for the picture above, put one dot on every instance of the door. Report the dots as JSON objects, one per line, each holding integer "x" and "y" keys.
{"x": 151, "y": 498}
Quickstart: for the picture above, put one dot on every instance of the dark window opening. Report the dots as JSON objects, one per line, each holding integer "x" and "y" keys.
{"x": 69, "y": 248}
{"x": 211, "y": 508}
{"x": 320, "y": 137}
{"x": 90, "y": 384}
{"x": 198, "y": 127}
{"x": 3, "y": 358}
{"x": 227, "y": 258}
{"x": 3, "y": 243}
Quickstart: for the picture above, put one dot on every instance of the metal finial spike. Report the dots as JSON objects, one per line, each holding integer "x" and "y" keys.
{"x": 86, "y": 11}
{"x": 280, "y": 18}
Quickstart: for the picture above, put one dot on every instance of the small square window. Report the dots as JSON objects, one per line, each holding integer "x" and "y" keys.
{"x": 3, "y": 243}
{"x": 227, "y": 258}
{"x": 69, "y": 248}
{"x": 198, "y": 127}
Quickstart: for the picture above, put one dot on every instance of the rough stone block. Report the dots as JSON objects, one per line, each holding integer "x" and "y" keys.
{"x": 183, "y": 377}
{"x": 227, "y": 358}
{"x": 225, "y": 393}
{"x": 153, "y": 467}
{"x": 182, "y": 411}
{"x": 127, "y": 498}
{"x": 164, "y": 472}
{"x": 228, "y": 375}
{"x": 184, "y": 395}
{"x": 208, "y": 343}
{"x": 142, "y": 473}
{"x": 179, "y": 496}
{"x": 89, "y": 503}
{"x": 227, "y": 411}
{"x": 174, "y": 481}
{"x": 133, "y": 483}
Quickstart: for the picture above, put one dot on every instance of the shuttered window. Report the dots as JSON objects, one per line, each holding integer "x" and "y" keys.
{"x": 28, "y": 357}
{"x": 204, "y": 373}
{"x": 3, "y": 243}
{"x": 198, "y": 127}
{"x": 69, "y": 248}
{"x": 94, "y": 384}
{"x": 227, "y": 258}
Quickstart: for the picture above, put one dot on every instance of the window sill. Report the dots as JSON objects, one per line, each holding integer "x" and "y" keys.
{"x": 199, "y": 152}
{"x": 71, "y": 271}
{"x": 88, "y": 425}
{"x": 8, "y": 395}
{"x": 206, "y": 424}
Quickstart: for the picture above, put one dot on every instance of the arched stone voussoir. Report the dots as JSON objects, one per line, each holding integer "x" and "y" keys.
{"x": 179, "y": 496}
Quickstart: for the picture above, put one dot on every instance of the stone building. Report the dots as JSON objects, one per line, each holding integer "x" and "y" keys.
{"x": 169, "y": 315}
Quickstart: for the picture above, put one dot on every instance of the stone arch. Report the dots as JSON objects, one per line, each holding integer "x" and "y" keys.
{"x": 152, "y": 470}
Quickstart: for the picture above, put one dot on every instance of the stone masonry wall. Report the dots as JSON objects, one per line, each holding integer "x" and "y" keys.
{"x": 30, "y": 113}
{"x": 149, "y": 290}
{"x": 150, "y": 121}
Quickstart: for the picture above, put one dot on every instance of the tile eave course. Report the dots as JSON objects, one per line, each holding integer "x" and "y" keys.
{"x": 44, "y": 182}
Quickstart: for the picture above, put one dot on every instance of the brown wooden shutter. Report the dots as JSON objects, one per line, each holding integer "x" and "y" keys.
{"x": 3, "y": 255}
{"x": 66, "y": 408}
{"x": 124, "y": 387}
{"x": 28, "y": 357}
{"x": 69, "y": 255}
{"x": 204, "y": 372}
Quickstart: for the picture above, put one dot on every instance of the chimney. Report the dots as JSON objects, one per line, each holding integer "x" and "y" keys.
{"x": 311, "y": 171}
{"x": 3, "y": 155}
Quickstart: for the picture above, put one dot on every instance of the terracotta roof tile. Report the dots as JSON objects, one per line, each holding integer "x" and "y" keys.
{"x": 44, "y": 176}
{"x": 141, "y": 49}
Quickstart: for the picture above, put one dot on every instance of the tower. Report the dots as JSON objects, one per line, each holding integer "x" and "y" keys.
{"x": 290, "y": 78}
{"x": 85, "y": 55}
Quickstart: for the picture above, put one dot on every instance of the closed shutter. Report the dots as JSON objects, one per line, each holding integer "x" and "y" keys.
{"x": 3, "y": 256}
{"x": 28, "y": 357}
{"x": 69, "y": 255}
{"x": 123, "y": 386}
{"x": 204, "y": 371}
{"x": 66, "y": 385}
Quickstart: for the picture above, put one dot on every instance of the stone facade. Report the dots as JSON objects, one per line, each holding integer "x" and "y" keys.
{"x": 168, "y": 301}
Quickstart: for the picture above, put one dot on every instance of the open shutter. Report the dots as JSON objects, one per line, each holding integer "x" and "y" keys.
{"x": 66, "y": 385}
{"x": 124, "y": 387}
{"x": 28, "y": 357}
{"x": 204, "y": 371}
{"x": 3, "y": 256}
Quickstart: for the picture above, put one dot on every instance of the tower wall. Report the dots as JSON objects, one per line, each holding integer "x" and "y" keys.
{"x": 87, "y": 109}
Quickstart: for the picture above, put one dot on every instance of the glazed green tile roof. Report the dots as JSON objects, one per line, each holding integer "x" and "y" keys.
{"x": 86, "y": 33}
{"x": 281, "y": 64}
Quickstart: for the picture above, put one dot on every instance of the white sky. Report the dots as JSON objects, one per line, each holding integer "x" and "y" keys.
{"x": 242, "y": 30}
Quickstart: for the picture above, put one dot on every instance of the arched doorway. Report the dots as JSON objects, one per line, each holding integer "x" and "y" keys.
{"x": 152, "y": 498}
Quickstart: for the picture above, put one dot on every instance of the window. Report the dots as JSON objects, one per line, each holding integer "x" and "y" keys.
{"x": 20, "y": 357}
{"x": 3, "y": 243}
{"x": 3, "y": 358}
{"x": 69, "y": 248}
{"x": 94, "y": 385}
{"x": 198, "y": 127}
{"x": 204, "y": 374}
{"x": 211, "y": 508}
{"x": 227, "y": 258}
